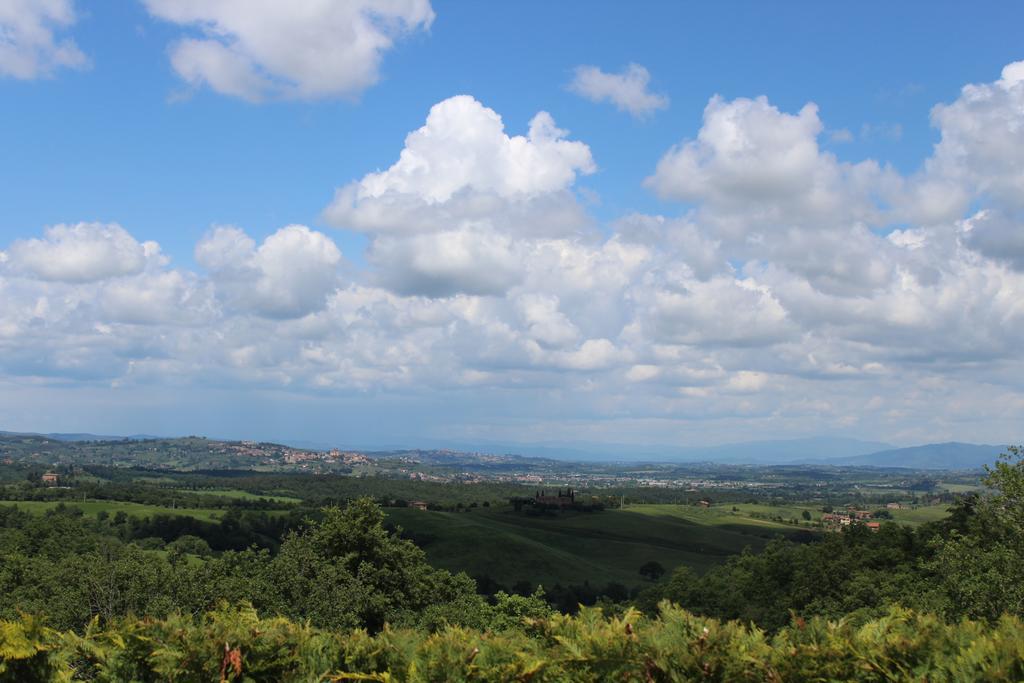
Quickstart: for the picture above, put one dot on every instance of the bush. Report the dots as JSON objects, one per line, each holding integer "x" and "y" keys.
{"x": 235, "y": 644}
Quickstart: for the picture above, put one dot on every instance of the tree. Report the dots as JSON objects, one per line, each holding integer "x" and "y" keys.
{"x": 981, "y": 564}
{"x": 1007, "y": 478}
{"x": 189, "y": 544}
{"x": 349, "y": 571}
{"x": 806, "y": 514}
{"x": 652, "y": 570}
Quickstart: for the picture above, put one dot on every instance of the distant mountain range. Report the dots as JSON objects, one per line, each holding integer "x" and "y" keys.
{"x": 815, "y": 449}
{"x": 747, "y": 452}
{"x": 83, "y": 437}
{"x": 808, "y": 451}
{"x": 934, "y": 456}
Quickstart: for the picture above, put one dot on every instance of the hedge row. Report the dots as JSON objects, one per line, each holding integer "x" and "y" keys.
{"x": 235, "y": 644}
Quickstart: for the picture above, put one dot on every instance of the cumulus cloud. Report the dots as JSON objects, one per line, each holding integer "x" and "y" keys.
{"x": 545, "y": 323}
{"x": 29, "y": 43}
{"x": 997, "y": 236}
{"x": 303, "y": 49}
{"x": 746, "y": 381}
{"x": 627, "y": 90}
{"x": 82, "y": 252}
{"x": 463, "y": 147}
{"x": 723, "y": 311}
{"x": 982, "y": 141}
{"x": 444, "y": 217}
{"x": 289, "y": 275}
{"x": 754, "y": 168}
{"x": 446, "y": 263}
{"x": 682, "y": 239}
{"x": 791, "y": 289}
{"x": 163, "y": 297}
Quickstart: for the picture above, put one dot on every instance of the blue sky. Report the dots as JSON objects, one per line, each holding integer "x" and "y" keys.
{"x": 456, "y": 321}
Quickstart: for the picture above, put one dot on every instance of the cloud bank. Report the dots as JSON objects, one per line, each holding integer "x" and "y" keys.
{"x": 787, "y": 289}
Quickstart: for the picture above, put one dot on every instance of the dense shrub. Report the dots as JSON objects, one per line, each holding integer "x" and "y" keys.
{"x": 235, "y": 644}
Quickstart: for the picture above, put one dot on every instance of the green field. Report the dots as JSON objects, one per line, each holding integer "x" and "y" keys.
{"x": 961, "y": 488}
{"x": 574, "y": 547}
{"x": 787, "y": 512}
{"x": 605, "y": 546}
{"x": 92, "y": 507}
{"x": 241, "y": 495}
{"x": 920, "y": 515}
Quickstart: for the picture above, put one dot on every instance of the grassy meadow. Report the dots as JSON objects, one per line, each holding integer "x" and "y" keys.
{"x": 604, "y": 546}
{"x": 573, "y": 547}
{"x": 92, "y": 507}
{"x": 240, "y": 494}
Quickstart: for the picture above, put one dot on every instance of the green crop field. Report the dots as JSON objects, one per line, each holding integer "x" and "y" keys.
{"x": 920, "y": 515}
{"x": 605, "y": 546}
{"x": 242, "y": 495}
{"x": 913, "y": 517}
{"x": 573, "y": 547}
{"x": 961, "y": 488}
{"x": 93, "y": 507}
{"x": 787, "y": 512}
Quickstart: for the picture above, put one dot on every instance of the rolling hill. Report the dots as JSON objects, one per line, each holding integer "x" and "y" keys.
{"x": 936, "y": 456}
{"x": 576, "y": 547}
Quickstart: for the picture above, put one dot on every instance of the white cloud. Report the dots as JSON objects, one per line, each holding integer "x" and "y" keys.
{"x": 746, "y": 381}
{"x": 169, "y": 297}
{"x": 997, "y": 236}
{"x": 627, "y": 90}
{"x": 681, "y": 238}
{"x": 302, "y": 49}
{"x": 289, "y": 275}
{"x": 720, "y": 312}
{"x": 446, "y": 263}
{"x": 445, "y": 218}
{"x": 463, "y": 147}
{"x": 593, "y": 354}
{"x": 545, "y": 323}
{"x": 29, "y": 45}
{"x": 753, "y": 169}
{"x": 81, "y": 253}
{"x": 780, "y": 300}
{"x": 982, "y": 144}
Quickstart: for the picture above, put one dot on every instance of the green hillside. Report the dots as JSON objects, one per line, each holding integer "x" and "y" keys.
{"x": 93, "y": 507}
{"x": 574, "y": 547}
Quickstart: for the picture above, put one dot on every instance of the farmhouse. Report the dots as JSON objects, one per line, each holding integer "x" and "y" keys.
{"x": 836, "y": 519}
{"x": 563, "y": 499}
{"x": 51, "y": 478}
{"x": 850, "y": 517}
{"x": 418, "y": 504}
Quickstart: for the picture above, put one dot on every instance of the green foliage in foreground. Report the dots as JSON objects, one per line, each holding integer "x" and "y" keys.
{"x": 235, "y": 644}
{"x": 343, "y": 571}
{"x": 969, "y": 565}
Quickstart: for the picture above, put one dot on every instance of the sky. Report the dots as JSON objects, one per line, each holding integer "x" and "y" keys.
{"x": 404, "y": 222}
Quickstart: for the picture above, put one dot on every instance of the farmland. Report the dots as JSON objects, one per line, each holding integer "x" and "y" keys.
{"x": 510, "y": 547}
{"x": 596, "y": 547}
{"x": 92, "y": 508}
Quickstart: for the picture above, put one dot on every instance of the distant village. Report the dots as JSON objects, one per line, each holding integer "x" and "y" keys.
{"x": 852, "y": 516}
